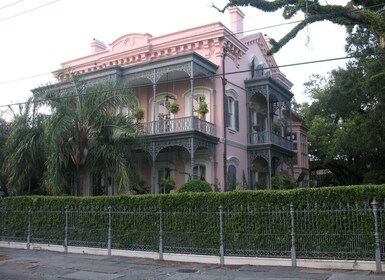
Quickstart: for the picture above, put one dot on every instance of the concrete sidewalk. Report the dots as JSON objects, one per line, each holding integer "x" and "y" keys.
{"x": 18, "y": 264}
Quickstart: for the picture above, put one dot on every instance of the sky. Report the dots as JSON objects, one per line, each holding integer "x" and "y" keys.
{"x": 37, "y": 36}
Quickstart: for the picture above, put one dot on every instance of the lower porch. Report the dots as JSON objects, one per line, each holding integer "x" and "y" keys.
{"x": 168, "y": 162}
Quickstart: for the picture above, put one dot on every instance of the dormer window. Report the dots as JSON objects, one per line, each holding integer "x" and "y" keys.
{"x": 257, "y": 69}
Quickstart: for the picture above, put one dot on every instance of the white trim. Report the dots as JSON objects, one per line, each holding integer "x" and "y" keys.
{"x": 231, "y": 111}
{"x": 233, "y": 93}
{"x": 198, "y": 91}
{"x": 204, "y": 162}
{"x": 160, "y": 97}
{"x": 163, "y": 164}
{"x": 233, "y": 160}
{"x": 228, "y": 260}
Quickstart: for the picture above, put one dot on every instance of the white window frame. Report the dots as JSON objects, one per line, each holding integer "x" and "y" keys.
{"x": 204, "y": 92}
{"x": 205, "y": 163}
{"x": 231, "y": 111}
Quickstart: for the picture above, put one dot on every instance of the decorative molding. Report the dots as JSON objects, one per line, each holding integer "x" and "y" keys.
{"x": 160, "y": 145}
{"x": 148, "y": 74}
{"x": 199, "y": 69}
{"x": 256, "y": 89}
{"x": 185, "y": 67}
{"x": 232, "y": 92}
{"x": 252, "y": 155}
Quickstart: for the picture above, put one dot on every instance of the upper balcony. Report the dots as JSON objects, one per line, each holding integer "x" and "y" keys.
{"x": 176, "y": 125}
{"x": 267, "y": 137}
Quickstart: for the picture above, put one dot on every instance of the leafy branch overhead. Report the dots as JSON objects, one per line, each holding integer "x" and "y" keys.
{"x": 369, "y": 14}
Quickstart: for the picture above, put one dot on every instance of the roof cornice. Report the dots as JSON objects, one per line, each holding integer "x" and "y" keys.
{"x": 135, "y": 48}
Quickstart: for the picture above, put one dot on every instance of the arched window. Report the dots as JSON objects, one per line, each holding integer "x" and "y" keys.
{"x": 161, "y": 108}
{"x": 126, "y": 110}
{"x": 201, "y": 96}
{"x": 199, "y": 172}
{"x": 199, "y": 101}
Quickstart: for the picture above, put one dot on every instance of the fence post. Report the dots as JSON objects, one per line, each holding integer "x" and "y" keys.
{"x": 66, "y": 231}
{"x": 293, "y": 253}
{"x": 160, "y": 235}
{"x": 377, "y": 236}
{"x": 221, "y": 246}
{"x": 29, "y": 229}
{"x": 1, "y": 216}
{"x": 109, "y": 230}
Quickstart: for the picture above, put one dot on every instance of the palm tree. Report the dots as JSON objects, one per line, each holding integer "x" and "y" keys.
{"x": 85, "y": 135}
{"x": 4, "y": 133}
{"x": 24, "y": 156}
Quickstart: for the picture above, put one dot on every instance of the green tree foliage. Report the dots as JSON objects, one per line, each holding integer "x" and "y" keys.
{"x": 283, "y": 182}
{"x": 368, "y": 14}
{"x": 4, "y": 132}
{"x": 346, "y": 119}
{"x": 85, "y": 134}
{"x": 23, "y": 151}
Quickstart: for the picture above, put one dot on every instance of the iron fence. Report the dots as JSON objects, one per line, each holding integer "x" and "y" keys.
{"x": 348, "y": 231}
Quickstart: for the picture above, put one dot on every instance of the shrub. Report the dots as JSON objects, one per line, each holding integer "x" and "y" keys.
{"x": 195, "y": 185}
{"x": 283, "y": 182}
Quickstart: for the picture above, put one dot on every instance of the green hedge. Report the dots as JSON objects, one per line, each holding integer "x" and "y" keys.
{"x": 256, "y": 223}
{"x": 261, "y": 198}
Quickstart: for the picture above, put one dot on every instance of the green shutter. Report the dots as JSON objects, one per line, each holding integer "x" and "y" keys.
{"x": 250, "y": 124}
{"x": 227, "y": 115}
{"x": 236, "y": 105}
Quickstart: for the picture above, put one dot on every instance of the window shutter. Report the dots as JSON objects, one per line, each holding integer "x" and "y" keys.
{"x": 227, "y": 115}
{"x": 236, "y": 105}
{"x": 250, "y": 122}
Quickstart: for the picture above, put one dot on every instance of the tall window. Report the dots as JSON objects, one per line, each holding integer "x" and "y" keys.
{"x": 232, "y": 116}
{"x": 232, "y": 178}
{"x": 198, "y": 101}
{"x": 199, "y": 172}
{"x": 258, "y": 121}
{"x": 162, "y": 110}
{"x": 231, "y": 111}
{"x": 201, "y": 95}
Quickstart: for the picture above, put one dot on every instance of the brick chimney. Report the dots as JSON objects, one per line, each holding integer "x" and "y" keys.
{"x": 97, "y": 46}
{"x": 237, "y": 17}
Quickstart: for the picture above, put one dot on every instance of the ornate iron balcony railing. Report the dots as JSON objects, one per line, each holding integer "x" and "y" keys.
{"x": 178, "y": 125}
{"x": 263, "y": 138}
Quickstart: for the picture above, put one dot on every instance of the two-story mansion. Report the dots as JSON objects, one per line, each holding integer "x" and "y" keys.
{"x": 230, "y": 129}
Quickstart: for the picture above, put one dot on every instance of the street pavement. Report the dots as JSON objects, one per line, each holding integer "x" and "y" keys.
{"x": 19, "y": 264}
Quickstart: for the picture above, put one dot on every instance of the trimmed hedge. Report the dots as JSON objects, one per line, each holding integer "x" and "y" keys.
{"x": 330, "y": 196}
{"x": 195, "y": 185}
{"x": 256, "y": 222}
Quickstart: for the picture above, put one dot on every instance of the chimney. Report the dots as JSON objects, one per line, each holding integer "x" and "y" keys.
{"x": 237, "y": 17}
{"x": 97, "y": 46}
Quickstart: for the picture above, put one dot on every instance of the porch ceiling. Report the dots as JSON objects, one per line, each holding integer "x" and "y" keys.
{"x": 172, "y": 69}
{"x": 267, "y": 85}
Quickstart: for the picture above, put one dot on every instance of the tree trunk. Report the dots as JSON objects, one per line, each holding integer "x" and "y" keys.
{"x": 80, "y": 181}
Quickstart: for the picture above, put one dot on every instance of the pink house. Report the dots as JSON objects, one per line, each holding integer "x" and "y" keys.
{"x": 230, "y": 130}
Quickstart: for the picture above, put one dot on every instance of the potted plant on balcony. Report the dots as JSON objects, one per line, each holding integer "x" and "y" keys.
{"x": 173, "y": 107}
{"x": 138, "y": 113}
{"x": 203, "y": 109}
